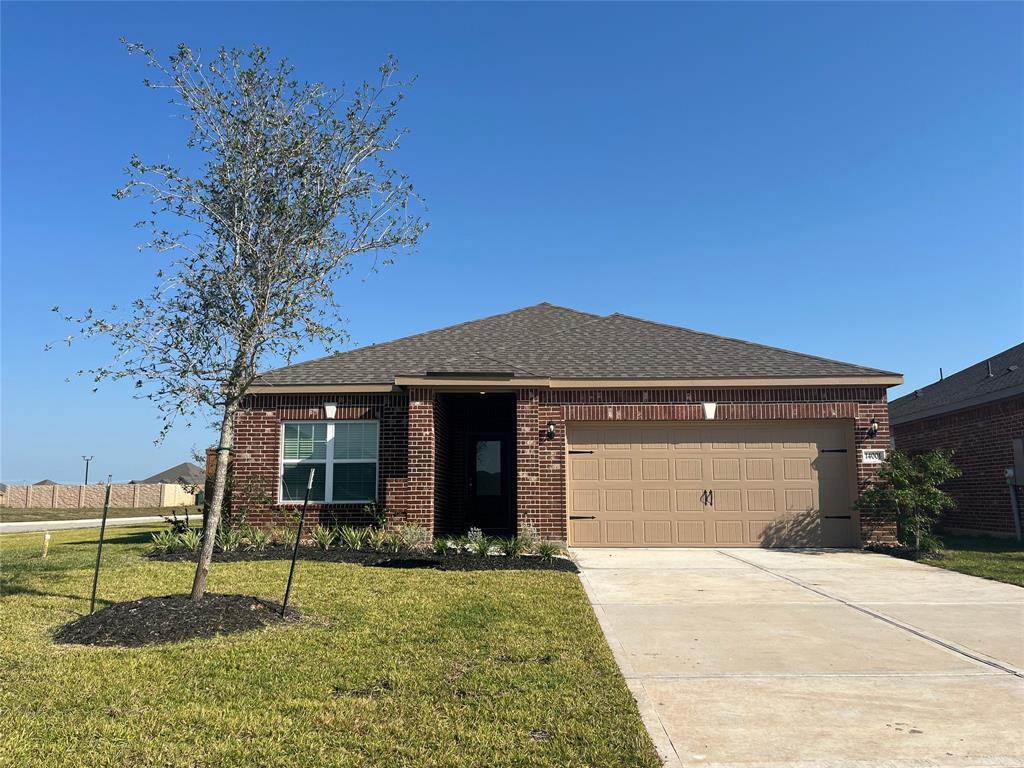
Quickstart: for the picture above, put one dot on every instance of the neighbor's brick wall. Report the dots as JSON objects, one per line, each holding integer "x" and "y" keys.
{"x": 982, "y": 441}
{"x": 541, "y": 474}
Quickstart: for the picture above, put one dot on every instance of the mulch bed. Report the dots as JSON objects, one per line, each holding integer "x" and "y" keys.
{"x": 905, "y": 553}
{"x": 447, "y": 562}
{"x": 171, "y": 619}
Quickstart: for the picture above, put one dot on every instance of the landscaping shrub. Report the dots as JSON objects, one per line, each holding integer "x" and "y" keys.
{"x": 164, "y": 541}
{"x": 286, "y": 536}
{"x": 256, "y": 538}
{"x": 478, "y": 543}
{"x": 412, "y": 537}
{"x": 441, "y": 545}
{"x": 191, "y": 540}
{"x": 379, "y": 540}
{"x": 323, "y": 537}
{"x": 352, "y": 537}
{"x": 907, "y": 487}
{"x": 513, "y": 547}
{"x": 547, "y": 550}
{"x": 530, "y": 536}
{"x": 229, "y": 540}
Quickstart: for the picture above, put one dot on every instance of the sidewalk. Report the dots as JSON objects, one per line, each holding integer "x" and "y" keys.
{"x": 56, "y": 525}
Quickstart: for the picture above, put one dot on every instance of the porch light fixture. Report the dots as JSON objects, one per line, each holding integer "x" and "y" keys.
{"x": 873, "y": 428}
{"x": 330, "y": 409}
{"x": 709, "y": 410}
{"x": 550, "y": 431}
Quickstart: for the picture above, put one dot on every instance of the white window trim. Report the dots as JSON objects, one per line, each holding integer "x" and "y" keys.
{"x": 329, "y": 461}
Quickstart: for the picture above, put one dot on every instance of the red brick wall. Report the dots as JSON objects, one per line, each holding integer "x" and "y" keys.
{"x": 410, "y": 426}
{"x": 542, "y": 475}
{"x": 982, "y": 441}
{"x": 255, "y": 461}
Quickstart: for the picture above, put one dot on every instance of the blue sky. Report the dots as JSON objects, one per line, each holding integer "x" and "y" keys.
{"x": 838, "y": 179}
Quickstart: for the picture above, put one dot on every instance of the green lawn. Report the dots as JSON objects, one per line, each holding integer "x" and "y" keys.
{"x": 389, "y": 668}
{"x": 33, "y": 515}
{"x": 990, "y": 558}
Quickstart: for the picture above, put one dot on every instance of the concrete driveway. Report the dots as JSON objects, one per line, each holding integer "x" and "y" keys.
{"x": 837, "y": 659}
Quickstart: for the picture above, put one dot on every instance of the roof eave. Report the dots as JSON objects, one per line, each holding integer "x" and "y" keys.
{"x": 960, "y": 405}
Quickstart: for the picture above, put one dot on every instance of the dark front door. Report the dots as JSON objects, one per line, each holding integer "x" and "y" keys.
{"x": 489, "y": 497}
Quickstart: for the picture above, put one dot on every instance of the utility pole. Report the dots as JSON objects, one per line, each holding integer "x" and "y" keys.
{"x": 87, "y": 460}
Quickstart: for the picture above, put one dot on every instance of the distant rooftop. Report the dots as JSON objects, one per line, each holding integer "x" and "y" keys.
{"x": 994, "y": 378}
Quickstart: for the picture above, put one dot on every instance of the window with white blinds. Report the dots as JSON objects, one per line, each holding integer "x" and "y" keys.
{"x": 343, "y": 456}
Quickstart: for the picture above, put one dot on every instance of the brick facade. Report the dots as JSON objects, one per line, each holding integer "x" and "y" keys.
{"x": 982, "y": 440}
{"x": 412, "y": 439}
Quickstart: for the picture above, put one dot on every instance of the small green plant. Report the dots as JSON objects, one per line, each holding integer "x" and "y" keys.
{"x": 512, "y": 547}
{"x": 286, "y": 536}
{"x": 256, "y": 539}
{"x": 229, "y": 539}
{"x": 907, "y": 488}
{"x": 478, "y": 543}
{"x": 530, "y": 535}
{"x": 164, "y": 542}
{"x": 378, "y": 539}
{"x": 547, "y": 550}
{"x": 377, "y": 513}
{"x": 191, "y": 540}
{"x": 441, "y": 545}
{"x": 352, "y": 537}
{"x": 324, "y": 537}
{"x": 412, "y": 537}
{"x": 459, "y": 543}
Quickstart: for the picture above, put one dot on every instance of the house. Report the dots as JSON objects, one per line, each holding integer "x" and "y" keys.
{"x": 595, "y": 430}
{"x": 185, "y": 473}
{"x": 977, "y": 413}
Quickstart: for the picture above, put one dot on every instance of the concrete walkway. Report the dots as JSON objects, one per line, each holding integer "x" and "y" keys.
{"x": 57, "y": 525}
{"x": 831, "y": 659}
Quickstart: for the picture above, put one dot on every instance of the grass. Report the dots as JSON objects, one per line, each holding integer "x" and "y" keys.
{"x": 990, "y": 558}
{"x": 388, "y": 668}
{"x": 33, "y": 515}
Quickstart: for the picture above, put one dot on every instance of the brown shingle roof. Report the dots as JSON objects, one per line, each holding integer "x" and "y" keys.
{"x": 973, "y": 385}
{"x": 554, "y": 342}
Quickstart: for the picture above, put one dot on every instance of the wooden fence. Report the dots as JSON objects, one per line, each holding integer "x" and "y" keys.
{"x": 122, "y": 496}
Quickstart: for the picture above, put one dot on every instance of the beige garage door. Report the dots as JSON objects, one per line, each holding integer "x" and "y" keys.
{"x": 750, "y": 484}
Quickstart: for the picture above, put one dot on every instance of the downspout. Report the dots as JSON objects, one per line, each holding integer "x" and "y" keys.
{"x": 1011, "y": 481}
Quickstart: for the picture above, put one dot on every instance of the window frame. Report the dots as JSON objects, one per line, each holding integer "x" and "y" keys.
{"x": 328, "y": 461}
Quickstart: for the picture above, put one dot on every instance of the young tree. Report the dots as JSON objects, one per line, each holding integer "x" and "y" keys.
{"x": 907, "y": 487}
{"x": 292, "y": 184}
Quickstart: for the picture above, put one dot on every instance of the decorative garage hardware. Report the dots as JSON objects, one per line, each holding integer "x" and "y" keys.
{"x": 709, "y": 410}
{"x": 551, "y": 430}
{"x": 833, "y": 450}
{"x": 582, "y": 517}
{"x": 580, "y": 451}
{"x": 330, "y": 410}
{"x": 837, "y": 517}
{"x": 707, "y": 498}
{"x": 873, "y": 428}
{"x": 872, "y": 455}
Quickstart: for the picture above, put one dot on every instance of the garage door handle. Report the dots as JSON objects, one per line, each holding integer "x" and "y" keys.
{"x": 582, "y": 517}
{"x": 837, "y": 517}
{"x": 833, "y": 450}
{"x": 580, "y": 451}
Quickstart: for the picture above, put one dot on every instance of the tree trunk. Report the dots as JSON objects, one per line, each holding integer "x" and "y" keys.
{"x": 220, "y": 481}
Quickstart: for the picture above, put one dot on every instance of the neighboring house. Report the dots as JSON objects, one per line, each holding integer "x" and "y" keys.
{"x": 185, "y": 473}
{"x": 977, "y": 413}
{"x": 45, "y": 482}
{"x": 602, "y": 431}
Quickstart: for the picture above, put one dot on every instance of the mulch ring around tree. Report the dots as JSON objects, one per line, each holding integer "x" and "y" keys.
{"x": 446, "y": 562}
{"x": 172, "y": 619}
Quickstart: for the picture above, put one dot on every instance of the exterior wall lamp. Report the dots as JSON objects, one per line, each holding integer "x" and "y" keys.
{"x": 330, "y": 410}
{"x": 550, "y": 431}
{"x": 873, "y": 428}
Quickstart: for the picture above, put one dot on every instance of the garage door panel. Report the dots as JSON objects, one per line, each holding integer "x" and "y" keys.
{"x": 728, "y": 485}
{"x": 618, "y": 469}
{"x": 688, "y": 469}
